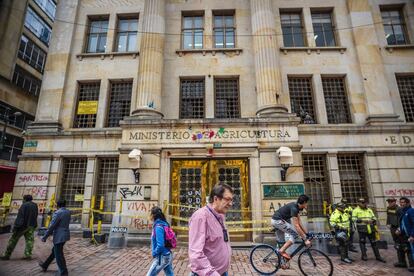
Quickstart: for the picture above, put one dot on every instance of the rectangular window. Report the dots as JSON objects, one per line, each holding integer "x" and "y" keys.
{"x": 323, "y": 29}
{"x": 87, "y": 106}
{"x": 32, "y": 54}
{"x": 96, "y": 41}
{"x": 292, "y": 28}
{"x": 394, "y": 27}
{"x": 26, "y": 81}
{"x": 352, "y": 177}
{"x": 336, "y": 101}
{"x": 107, "y": 185}
{"x": 316, "y": 183}
{"x": 48, "y": 6}
{"x": 127, "y": 35}
{"x": 12, "y": 147}
{"x": 301, "y": 99}
{"x": 7, "y": 113}
{"x": 224, "y": 30}
{"x": 227, "y": 98}
{"x": 73, "y": 184}
{"x": 192, "y": 98}
{"x": 119, "y": 102}
{"x": 192, "y": 32}
{"x": 406, "y": 89}
{"x": 37, "y": 26}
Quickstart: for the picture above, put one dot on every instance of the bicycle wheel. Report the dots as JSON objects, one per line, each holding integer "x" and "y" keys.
{"x": 315, "y": 262}
{"x": 264, "y": 259}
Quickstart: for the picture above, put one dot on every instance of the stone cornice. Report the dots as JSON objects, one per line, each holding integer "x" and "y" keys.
{"x": 391, "y": 48}
{"x": 111, "y": 55}
{"x": 354, "y": 129}
{"x": 90, "y": 132}
{"x": 213, "y": 51}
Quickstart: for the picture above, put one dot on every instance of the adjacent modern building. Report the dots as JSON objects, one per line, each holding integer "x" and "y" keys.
{"x": 25, "y": 31}
{"x": 152, "y": 101}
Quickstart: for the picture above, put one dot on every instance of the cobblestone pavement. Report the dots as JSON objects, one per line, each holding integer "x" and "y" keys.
{"x": 84, "y": 258}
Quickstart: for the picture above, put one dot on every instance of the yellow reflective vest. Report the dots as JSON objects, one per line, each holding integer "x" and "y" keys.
{"x": 365, "y": 215}
{"x": 340, "y": 220}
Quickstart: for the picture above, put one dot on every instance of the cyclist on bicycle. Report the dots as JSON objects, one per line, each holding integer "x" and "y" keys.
{"x": 287, "y": 223}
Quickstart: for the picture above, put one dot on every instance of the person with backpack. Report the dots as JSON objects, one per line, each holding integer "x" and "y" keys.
{"x": 162, "y": 240}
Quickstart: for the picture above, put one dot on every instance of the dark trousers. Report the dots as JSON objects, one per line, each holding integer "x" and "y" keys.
{"x": 57, "y": 252}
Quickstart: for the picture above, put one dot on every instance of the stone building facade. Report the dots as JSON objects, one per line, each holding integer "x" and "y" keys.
{"x": 208, "y": 91}
{"x": 25, "y": 31}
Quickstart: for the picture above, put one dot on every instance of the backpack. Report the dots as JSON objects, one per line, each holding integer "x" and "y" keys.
{"x": 170, "y": 237}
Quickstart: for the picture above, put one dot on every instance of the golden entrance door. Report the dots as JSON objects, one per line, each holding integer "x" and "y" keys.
{"x": 192, "y": 181}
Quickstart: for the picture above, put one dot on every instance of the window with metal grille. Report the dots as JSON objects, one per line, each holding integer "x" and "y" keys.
{"x": 127, "y": 35}
{"x": 406, "y": 88}
{"x": 394, "y": 26}
{"x": 352, "y": 177}
{"x": 336, "y": 101}
{"x": 192, "y": 32}
{"x": 32, "y": 54}
{"x": 119, "y": 102}
{"x": 107, "y": 185}
{"x": 87, "y": 105}
{"x": 192, "y": 98}
{"x": 301, "y": 99}
{"x": 73, "y": 183}
{"x": 26, "y": 81}
{"x": 316, "y": 183}
{"x": 292, "y": 28}
{"x": 96, "y": 41}
{"x": 323, "y": 29}
{"x": 224, "y": 30}
{"x": 227, "y": 98}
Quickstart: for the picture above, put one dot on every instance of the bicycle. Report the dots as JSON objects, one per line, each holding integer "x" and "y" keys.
{"x": 266, "y": 259}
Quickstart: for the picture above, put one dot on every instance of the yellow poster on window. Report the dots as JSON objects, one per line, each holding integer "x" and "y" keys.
{"x": 79, "y": 197}
{"x": 7, "y": 197}
{"x": 87, "y": 107}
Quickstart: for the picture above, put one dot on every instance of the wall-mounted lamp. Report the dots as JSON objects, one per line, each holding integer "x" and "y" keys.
{"x": 285, "y": 156}
{"x": 136, "y": 155}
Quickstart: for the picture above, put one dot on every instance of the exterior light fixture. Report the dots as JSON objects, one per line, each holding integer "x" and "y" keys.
{"x": 285, "y": 156}
{"x": 136, "y": 156}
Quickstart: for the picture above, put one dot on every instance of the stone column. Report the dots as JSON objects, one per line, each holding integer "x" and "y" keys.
{"x": 378, "y": 97}
{"x": 56, "y": 71}
{"x": 266, "y": 55}
{"x": 149, "y": 86}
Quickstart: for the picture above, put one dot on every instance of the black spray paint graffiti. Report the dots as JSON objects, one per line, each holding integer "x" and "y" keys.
{"x": 127, "y": 192}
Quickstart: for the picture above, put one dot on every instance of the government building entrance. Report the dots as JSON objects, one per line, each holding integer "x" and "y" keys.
{"x": 191, "y": 183}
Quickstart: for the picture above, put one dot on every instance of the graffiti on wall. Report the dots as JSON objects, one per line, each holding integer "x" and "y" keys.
{"x": 16, "y": 204}
{"x": 131, "y": 192}
{"x": 32, "y": 179}
{"x": 399, "y": 192}
{"x": 35, "y": 192}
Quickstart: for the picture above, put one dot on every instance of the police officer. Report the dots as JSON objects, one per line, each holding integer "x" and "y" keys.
{"x": 365, "y": 222}
{"x": 392, "y": 223}
{"x": 349, "y": 210}
{"x": 340, "y": 222}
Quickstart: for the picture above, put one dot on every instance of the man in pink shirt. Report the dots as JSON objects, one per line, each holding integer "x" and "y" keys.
{"x": 208, "y": 242}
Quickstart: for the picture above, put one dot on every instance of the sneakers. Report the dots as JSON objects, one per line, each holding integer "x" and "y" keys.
{"x": 380, "y": 259}
{"x": 347, "y": 261}
{"x": 400, "y": 265}
{"x": 285, "y": 255}
{"x": 4, "y": 258}
{"x": 42, "y": 266}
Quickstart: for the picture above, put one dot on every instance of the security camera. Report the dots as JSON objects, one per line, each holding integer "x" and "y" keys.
{"x": 135, "y": 154}
{"x": 285, "y": 156}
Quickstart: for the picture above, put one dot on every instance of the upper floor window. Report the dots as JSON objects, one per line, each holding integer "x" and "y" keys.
{"x": 192, "y": 32}
{"x": 336, "y": 101}
{"x": 127, "y": 35}
{"x": 26, "y": 81}
{"x": 11, "y": 148}
{"x": 96, "y": 42}
{"x": 394, "y": 26}
{"x": 32, "y": 54}
{"x": 119, "y": 102}
{"x": 301, "y": 99}
{"x": 224, "y": 30}
{"x": 7, "y": 113}
{"x": 292, "y": 29}
{"x": 87, "y": 106}
{"x": 406, "y": 88}
{"x": 48, "y": 6}
{"x": 192, "y": 93}
{"x": 227, "y": 98}
{"x": 38, "y": 26}
{"x": 323, "y": 29}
